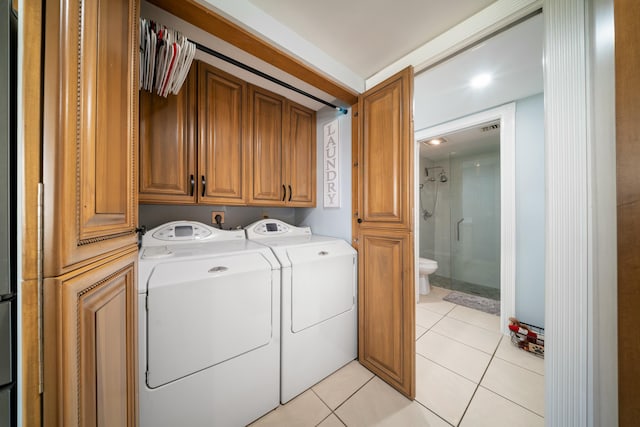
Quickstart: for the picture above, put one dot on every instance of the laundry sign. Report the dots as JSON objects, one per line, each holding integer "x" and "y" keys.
{"x": 331, "y": 165}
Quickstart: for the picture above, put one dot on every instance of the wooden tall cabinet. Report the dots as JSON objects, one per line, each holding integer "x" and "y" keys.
{"x": 283, "y": 141}
{"x": 386, "y": 270}
{"x": 89, "y": 210}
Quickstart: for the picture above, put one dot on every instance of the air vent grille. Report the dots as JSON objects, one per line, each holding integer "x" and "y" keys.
{"x": 491, "y": 127}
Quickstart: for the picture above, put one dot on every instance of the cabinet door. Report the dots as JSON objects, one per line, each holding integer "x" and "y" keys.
{"x": 168, "y": 145}
{"x": 90, "y": 337}
{"x": 222, "y": 148}
{"x": 386, "y": 283}
{"x": 266, "y": 115}
{"x": 387, "y": 307}
{"x": 90, "y": 130}
{"x": 300, "y": 156}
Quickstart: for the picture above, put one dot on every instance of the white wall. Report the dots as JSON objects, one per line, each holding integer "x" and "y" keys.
{"x": 334, "y": 222}
{"x": 530, "y": 210}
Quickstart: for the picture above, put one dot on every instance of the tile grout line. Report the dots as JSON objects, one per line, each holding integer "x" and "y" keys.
{"x": 333, "y": 411}
{"x": 479, "y": 382}
{"x": 514, "y": 402}
{"x": 461, "y": 342}
{"x": 519, "y": 366}
{"x": 434, "y": 413}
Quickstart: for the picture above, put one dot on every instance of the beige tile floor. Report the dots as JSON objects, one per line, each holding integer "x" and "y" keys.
{"x": 467, "y": 374}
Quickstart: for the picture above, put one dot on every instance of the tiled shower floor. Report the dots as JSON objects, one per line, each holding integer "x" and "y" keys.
{"x": 466, "y": 287}
{"x": 467, "y": 374}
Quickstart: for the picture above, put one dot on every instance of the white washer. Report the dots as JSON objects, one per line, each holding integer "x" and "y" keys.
{"x": 209, "y": 327}
{"x": 319, "y": 311}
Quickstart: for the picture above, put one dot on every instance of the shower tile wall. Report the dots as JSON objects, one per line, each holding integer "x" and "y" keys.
{"x": 435, "y": 242}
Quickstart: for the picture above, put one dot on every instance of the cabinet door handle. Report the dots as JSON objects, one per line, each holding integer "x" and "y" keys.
{"x": 284, "y": 192}
{"x": 193, "y": 184}
{"x": 290, "y": 192}
{"x": 204, "y": 185}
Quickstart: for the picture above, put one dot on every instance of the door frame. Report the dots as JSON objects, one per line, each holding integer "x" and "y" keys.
{"x": 507, "y": 115}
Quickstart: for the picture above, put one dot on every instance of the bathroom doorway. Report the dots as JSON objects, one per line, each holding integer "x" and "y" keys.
{"x": 465, "y": 211}
{"x": 459, "y": 197}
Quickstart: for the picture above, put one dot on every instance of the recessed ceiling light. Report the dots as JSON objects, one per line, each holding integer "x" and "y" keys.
{"x": 480, "y": 81}
{"x": 435, "y": 141}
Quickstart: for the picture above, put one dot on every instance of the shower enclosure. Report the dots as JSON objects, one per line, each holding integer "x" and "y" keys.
{"x": 460, "y": 220}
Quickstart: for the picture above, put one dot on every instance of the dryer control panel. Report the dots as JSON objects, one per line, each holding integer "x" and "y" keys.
{"x": 266, "y": 228}
{"x": 177, "y": 232}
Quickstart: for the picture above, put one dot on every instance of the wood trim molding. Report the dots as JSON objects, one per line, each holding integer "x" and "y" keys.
{"x": 507, "y": 116}
{"x": 29, "y": 158}
{"x": 568, "y": 212}
{"x": 206, "y": 19}
{"x": 627, "y": 90}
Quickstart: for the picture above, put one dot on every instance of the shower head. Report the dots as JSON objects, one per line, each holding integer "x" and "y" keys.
{"x": 443, "y": 177}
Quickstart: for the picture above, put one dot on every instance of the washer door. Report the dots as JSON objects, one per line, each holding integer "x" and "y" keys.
{"x": 203, "y": 312}
{"x": 323, "y": 282}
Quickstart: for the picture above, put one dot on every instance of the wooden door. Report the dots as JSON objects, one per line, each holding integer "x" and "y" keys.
{"x": 627, "y": 61}
{"x": 386, "y": 300}
{"x": 300, "y": 156}
{"x": 168, "y": 145}
{"x": 266, "y": 115}
{"x": 222, "y": 149}
{"x": 91, "y": 341}
{"x": 89, "y": 130}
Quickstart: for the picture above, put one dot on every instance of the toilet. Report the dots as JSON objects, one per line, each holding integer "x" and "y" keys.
{"x": 426, "y": 267}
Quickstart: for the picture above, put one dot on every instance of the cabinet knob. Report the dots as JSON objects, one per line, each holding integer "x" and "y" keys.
{"x": 359, "y": 220}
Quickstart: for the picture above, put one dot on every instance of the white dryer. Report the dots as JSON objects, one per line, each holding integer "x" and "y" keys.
{"x": 209, "y": 327}
{"x": 319, "y": 304}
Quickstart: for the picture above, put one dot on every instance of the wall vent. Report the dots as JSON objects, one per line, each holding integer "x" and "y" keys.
{"x": 490, "y": 127}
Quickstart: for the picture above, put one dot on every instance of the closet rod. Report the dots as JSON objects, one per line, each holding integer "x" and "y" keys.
{"x": 257, "y": 72}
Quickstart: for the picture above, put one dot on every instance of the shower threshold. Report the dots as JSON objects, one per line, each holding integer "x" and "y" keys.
{"x": 466, "y": 287}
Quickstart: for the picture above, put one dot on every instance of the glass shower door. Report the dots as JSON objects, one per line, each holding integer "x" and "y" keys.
{"x": 475, "y": 223}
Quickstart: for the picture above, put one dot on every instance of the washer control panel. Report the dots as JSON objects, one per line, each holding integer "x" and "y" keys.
{"x": 266, "y": 228}
{"x": 178, "y": 232}
{"x": 184, "y": 231}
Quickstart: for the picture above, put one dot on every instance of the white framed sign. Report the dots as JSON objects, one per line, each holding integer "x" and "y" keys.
{"x": 331, "y": 162}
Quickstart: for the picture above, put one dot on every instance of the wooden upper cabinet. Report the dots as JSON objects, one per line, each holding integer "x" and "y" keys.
{"x": 223, "y": 149}
{"x": 267, "y": 113}
{"x": 300, "y": 156}
{"x": 89, "y": 130}
{"x": 283, "y": 151}
{"x": 168, "y": 170}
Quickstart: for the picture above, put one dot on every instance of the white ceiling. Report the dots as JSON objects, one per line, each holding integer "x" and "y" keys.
{"x": 514, "y": 59}
{"x": 368, "y": 35}
{"x": 474, "y": 140}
